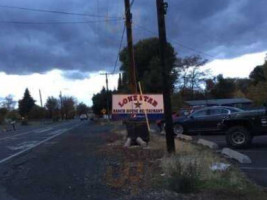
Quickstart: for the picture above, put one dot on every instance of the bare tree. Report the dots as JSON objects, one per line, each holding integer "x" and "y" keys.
{"x": 190, "y": 73}
{"x": 8, "y": 103}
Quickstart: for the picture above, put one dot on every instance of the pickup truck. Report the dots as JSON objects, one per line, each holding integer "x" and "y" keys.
{"x": 240, "y": 128}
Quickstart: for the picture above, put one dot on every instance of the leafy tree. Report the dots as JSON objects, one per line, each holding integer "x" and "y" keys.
{"x": 257, "y": 75}
{"x": 68, "y": 107}
{"x": 26, "y": 104}
{"x": 224, "y": 88}
{"x": 100, "y": 101}
{"x": 3, "y": 113}
{"x": 52, "y": 106}
{"x": 37, "y": 113}
{"x": 82, "y": 109}
{"x": 13, "y": 115}
{"x": 258, "y": 91}
{"x": 148, "y": 68}
{"x": 242, "y": 84}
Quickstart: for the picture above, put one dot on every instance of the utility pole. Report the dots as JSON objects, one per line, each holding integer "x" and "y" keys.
{"x": 161, "y": 12}
{"x": 41, "y": 101}
{"x": 107, "y": 90}
{"x": 128, "y": 24}
{"x": 61, "y": 105}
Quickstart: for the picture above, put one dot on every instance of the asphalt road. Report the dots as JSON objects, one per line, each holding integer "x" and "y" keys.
{"x": 257, "y": 170}
{"x": 62, "y": 161}
{"x": 14, "y": 143}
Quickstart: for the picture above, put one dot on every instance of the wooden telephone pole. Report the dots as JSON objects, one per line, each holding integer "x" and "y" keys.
{"x": 128, "y": 24}
{"x": 107, "y": 94}
{"x": 161, "y": 11}
{"x": 40, "y": 95}
{"x": 61, "y": 105}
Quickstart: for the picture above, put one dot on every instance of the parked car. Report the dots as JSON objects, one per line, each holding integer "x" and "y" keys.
{"x": 91, "y": 116}
{"x": 83, "y": 117}
{"x": 175, "y": 116}
{"x": 203, "y": 121}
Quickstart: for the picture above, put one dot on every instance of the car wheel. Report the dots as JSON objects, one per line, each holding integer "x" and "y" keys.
{"x": 238, "y": 137}
{"x": 178, "y": 129}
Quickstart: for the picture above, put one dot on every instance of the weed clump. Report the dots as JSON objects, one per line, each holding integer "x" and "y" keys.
{"x": 182, "y": 174}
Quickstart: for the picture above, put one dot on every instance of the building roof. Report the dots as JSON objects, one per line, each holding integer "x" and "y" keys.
{"x": 219, "y": 102}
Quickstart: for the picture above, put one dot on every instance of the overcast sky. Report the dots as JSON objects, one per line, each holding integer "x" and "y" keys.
{"x": 69, "y": 56}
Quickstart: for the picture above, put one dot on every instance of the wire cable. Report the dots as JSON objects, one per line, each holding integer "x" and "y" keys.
{"x": 179, "y": 43}
{"x": 57, "y": 22}
{"x": 117, "y": 59}
{"x": 132, "y": 3}
{"x": 55, "y": 12}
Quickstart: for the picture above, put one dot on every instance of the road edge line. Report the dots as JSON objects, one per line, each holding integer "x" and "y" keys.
{"x": 27, "y": 132}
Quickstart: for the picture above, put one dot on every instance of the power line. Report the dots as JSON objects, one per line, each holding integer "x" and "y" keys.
{"x": 54, "y": 11}
{"x": 179, "y": 43}
{"x": 122, "y": 37}
{"x": 57, "y": 22}
{"x": 117, "y": 59}
{"x": 132, "y": 3}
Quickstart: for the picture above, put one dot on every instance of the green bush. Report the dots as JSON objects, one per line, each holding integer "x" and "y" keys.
{"x": 13, "y": 115}
{"x": 3, "y": 112}
{"x": 182, "y": 175}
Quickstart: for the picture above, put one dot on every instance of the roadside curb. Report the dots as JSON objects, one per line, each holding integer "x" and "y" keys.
{"x": 241, "y": 158}
{"x": 207, "y": 143}
{"x": 184, "y": 137}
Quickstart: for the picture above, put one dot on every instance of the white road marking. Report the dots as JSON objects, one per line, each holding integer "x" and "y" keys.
{"x": 58, "y": 131}
{"x": 43, "y": 130}
{"x": 254, "y": 168}
{"x": 38, "y": 144}
{"x": 25, "y": 133}
{"x": 23, "y": 145}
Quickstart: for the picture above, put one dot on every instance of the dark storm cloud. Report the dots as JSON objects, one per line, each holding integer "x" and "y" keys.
{"x": 222, "y": 28}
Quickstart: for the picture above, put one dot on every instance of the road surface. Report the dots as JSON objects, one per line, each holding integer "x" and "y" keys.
{"x": 56, "y": 162}
{"x": 14, "y": 143}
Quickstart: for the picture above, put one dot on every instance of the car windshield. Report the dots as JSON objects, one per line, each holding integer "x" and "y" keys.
{"x": 199, "y": 113}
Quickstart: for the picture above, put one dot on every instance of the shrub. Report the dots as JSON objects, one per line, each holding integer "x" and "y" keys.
{"x": 182, "y": 174}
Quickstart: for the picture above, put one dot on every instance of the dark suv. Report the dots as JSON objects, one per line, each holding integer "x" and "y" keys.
{"x": 204, "y": 121}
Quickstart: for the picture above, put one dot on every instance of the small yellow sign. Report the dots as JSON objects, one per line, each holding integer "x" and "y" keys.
{"x": 103, "y": 111}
